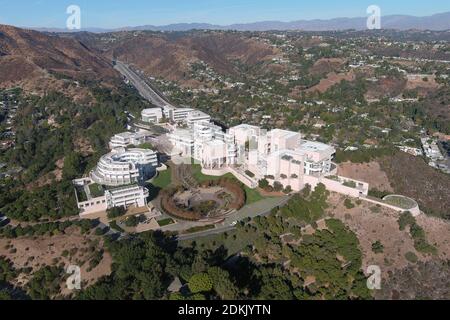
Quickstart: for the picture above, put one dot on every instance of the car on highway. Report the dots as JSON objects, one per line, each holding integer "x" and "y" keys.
{"x": 233, "y": 224}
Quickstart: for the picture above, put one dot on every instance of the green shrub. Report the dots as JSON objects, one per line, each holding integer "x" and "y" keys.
{"x": 200, "y": 282}
{"x": 405, "y": 219}
{"x": 411, "y": 257}
{"x": 287, "y": 190}
{"x": 375, "y": 209}
{"x": 263, "y": 184}
{"x": 116, "y": 212}
{"x": 377, "y": 247}
{"x": 348, "y": 204}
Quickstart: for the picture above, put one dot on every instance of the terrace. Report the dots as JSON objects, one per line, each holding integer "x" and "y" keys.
{"x": 347, "y": 182}
{"x": 400, "y": 202}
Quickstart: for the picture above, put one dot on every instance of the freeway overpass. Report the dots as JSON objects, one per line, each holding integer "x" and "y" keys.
{"x": 144, "y": 88}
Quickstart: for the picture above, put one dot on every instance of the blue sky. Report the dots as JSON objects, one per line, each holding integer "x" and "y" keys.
{"x": 120, "y": 13}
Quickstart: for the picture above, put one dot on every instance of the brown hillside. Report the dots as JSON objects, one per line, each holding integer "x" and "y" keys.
{"x": 39, "y": 61}
{"x": 327, "y": 65}
{"x": 169, "y": 56}
{"x": 412, "y": 177}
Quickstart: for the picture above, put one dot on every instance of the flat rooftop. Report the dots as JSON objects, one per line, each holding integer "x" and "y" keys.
{"x": 215, "y": 143}
{"x": 151, "y": 111}
{"x": 198, "y": 113}
{"x": 278, "y": 133}
{"x": 245, "y": 126}
{"x": 188, "y": 133}
{"x": 313, "y": 146}
{"x": 129, "y": 134}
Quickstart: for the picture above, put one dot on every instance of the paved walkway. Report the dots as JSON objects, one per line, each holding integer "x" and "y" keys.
{"x": 260, "y": 208}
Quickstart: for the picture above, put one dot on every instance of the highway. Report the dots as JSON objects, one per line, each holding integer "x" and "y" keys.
{"x": 144, "y": 88}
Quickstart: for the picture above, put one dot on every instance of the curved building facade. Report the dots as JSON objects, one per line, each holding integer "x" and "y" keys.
{"x": 125, "y": 166}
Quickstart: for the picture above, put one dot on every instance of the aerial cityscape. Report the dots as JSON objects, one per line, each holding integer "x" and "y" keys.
{"x": 274, "y": 157}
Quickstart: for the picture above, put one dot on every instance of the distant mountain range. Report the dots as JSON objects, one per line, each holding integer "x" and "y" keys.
{"x": 437, "y": 22}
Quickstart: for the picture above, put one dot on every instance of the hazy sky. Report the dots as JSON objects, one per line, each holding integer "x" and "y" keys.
{"x": 120, "y": 13}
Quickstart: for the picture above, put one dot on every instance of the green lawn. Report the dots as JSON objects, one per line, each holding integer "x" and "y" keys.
{"x": 96, "y": 190}
{"x": 165, "y": 222}
{"x": 252, "y": 195}
{"x": 146, "y": 145}
{"x": 400, "y": 201}
{"x": 81, "y": 194}
{"x": 200, "y": 177}
{"x": 164, "y": 179}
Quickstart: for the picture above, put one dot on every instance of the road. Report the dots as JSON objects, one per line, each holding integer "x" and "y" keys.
{"x": 205, "y": 233}
{"x": 260, "y": 208}
{"x": 145, "y": 89}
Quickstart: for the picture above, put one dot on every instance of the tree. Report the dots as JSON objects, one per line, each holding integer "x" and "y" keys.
{"x": 274, "y": 284}
{"x": 277, "y": 186}
{"x": 222, "y": 283}
{"x": 263, "y": 184}
{"x": 46, "y": 283}
{"x": 377, "y": 247}
{"x": 72, "y": 166}
{"x": 5, "y": 295}
{"x": 406, "y": 219}
{"x": 348, "y": 204}
{"x": 176, "y": 296}
{"x": 288, "y": 189}
{"x": 200, "y": 282}
{"x": 115, "y": 212}
{"x": 132, "y": 221}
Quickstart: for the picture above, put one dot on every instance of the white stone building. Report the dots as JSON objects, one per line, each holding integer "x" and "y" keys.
{"x": 125, "y": 197}
{"x": 125, "y": 139}
{"x": 153, "y": 115}
{"x": 196, "y": 116}
{"x": 206, "y": 143}
{"x": 187, "y": 116}
{"x": 280, "y": 156}
{"x": 125, "y": 166}
{"x": 177, "y": 115}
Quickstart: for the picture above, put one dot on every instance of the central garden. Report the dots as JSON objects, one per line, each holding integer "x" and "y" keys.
{"x": 190, "y": 198}
{"x": 208, "y": 200}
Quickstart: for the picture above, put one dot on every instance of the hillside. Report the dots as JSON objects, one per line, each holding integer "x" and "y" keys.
{"x": 172, "y": 56}
{"x": 39, "y": 62}
{"x": 412, "y": 177}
